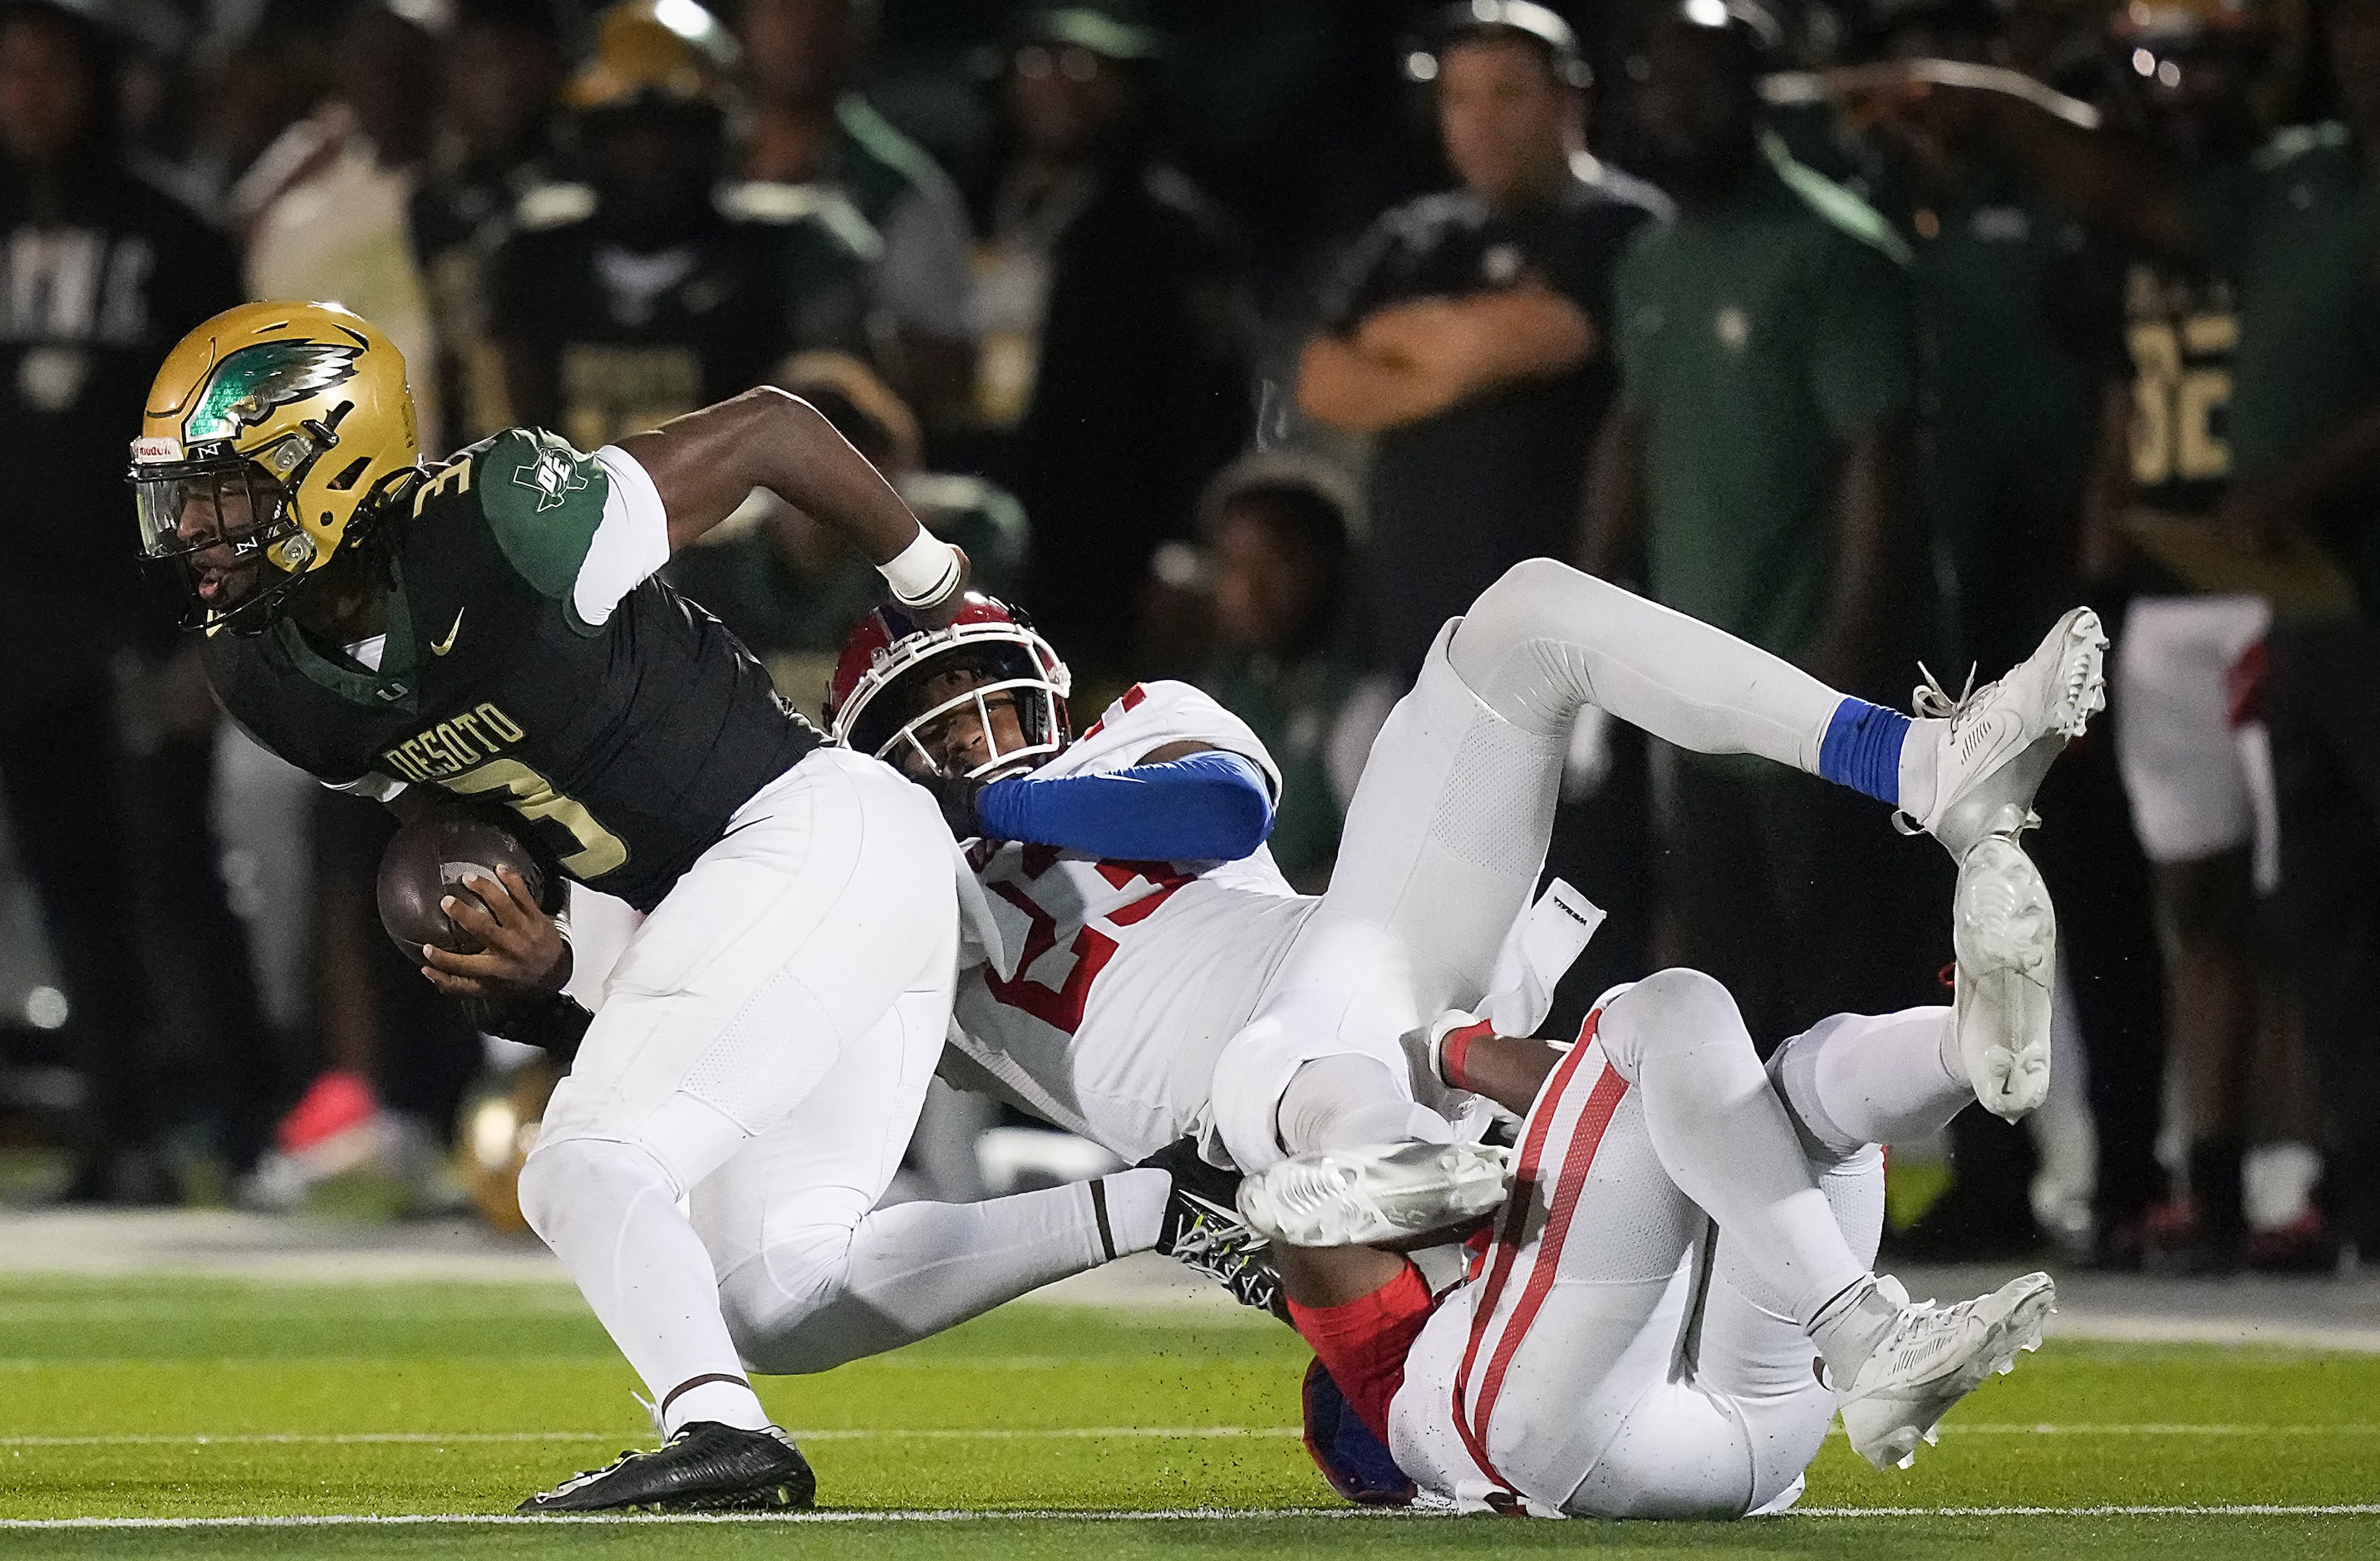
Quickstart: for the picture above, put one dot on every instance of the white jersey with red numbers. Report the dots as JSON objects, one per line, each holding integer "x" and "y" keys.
{"x": 1114, "y": 983}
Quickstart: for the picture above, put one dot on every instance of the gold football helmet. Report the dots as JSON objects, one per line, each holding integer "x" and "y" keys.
{"x": 269, "y": 431}
{"x": 665, "y": 52}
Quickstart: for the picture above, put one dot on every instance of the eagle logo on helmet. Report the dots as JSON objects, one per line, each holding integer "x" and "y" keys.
{"x": 255, "y": 380}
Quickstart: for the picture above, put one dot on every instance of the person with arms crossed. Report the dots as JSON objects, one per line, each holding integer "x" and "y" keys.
{"x": 1469, "y": 335}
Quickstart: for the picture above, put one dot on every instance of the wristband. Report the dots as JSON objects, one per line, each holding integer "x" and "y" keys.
{"x": 1454, "y": 1051}
{"x": 554, "y": 1024}
{"x": 923, "y": 572}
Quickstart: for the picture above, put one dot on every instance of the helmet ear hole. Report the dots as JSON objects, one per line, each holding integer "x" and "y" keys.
{"x": 347, "y": 478}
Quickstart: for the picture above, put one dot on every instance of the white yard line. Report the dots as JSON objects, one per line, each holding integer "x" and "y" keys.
{"x": 435, "y": 1438}
{"x": 2242, "y": 1509}
{"x": 1024, "y": 1434}
{"x": 1112, "y": 1515}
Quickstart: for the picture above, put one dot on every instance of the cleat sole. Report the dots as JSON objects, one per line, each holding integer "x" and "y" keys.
{"x": 1341, "y": 1199}
{"x": 2004, "y": 932}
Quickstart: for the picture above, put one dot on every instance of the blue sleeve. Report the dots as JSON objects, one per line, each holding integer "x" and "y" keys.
{"x": 1205, "y": 807}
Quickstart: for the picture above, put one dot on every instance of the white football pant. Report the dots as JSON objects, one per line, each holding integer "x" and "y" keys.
{"x": 1448, "y": 830}
{"x": 1632, "y": 1349}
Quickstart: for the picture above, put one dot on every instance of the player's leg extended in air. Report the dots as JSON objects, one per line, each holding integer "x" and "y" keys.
{"x": 1447, "y": 832}
{"x": 1687, "y": 1243}
{"x": 1449, "y": 827}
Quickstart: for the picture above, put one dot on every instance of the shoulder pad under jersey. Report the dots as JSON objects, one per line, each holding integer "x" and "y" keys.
{"x": 2287, "y": 145}
{"x": 765, "y": 200}
{"x": 553, "y": 205}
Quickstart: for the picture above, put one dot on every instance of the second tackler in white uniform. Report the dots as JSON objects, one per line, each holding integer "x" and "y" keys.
{"x": 1103, "y": 990}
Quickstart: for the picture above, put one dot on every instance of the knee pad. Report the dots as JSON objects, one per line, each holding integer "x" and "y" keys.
{"x": 1792, "y": 1073}
{"x": 1513, "y": 647}
{"x": 1350, "y": 1101}
{"x": 778, "y": 1305}
{"x": 554, "y": 1168}
{"x": 1527, "y": 602}
{"x": 1676, "y": 1009}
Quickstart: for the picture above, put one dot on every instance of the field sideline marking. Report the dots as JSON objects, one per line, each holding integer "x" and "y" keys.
{"x": 1027, "y": 1433}
{"x": 431, "y": 1438}
{"x": 1118, "y": 1515}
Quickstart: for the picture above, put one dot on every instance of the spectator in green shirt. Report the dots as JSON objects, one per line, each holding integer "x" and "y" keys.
{"x": 811, "y": 126}
{"x": 1760, "y": 461}
{"x": 2296, "y": 224}
{"x": 1276, "y": 533}
{"x": 2020, "y": 327}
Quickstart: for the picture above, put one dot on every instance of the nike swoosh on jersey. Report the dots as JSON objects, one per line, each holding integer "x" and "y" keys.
{"x": 440, "y": 647}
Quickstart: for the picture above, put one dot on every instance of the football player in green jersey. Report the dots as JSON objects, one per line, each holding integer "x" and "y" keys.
{"x": 490, "y": 630}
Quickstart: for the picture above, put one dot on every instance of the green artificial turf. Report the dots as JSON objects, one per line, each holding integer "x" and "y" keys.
{"x": 184, "y": 1399}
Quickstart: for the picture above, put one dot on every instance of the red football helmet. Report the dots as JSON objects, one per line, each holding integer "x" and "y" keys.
{"x": 887, "y": 655}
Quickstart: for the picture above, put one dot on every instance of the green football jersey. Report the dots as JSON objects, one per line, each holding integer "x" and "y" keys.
{"x": 1751, "y": 336}
{"x": 624, "y": 747}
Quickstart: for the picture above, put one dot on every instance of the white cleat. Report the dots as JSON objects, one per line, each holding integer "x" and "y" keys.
{"x": 1994, "y": 743}
{"x": 1357, "y": 1197}
{"x": 1930, "y": 1357}
{"x": 2004, "y": 932}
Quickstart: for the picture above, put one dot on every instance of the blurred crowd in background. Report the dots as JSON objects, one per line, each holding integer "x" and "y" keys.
{"x": 1245, "y": 341}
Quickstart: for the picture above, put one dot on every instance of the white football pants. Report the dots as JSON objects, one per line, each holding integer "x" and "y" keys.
{"x": 801, "y": 969}
{"x": 1634, "y": 1346}
{"x": 1448, "y": 830}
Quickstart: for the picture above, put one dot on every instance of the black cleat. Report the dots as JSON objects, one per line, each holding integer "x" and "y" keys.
{"x": 707, "y": 1467}
{"x": 1204, "y": 1233}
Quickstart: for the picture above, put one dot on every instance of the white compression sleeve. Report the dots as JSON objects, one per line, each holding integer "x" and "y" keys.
{"x": 630, "y": 543}
{"x": 1545, "y": 639}
{"x": 610, "y": 1213}
{"x": 819, "y": 1298}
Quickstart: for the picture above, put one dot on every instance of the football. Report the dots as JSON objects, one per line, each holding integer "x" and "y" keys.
{"x": 429, "y": 858}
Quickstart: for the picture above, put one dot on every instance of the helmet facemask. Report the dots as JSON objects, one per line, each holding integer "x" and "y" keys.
{"x": 223, "y": 523}
{"x": 1007, "y": 670}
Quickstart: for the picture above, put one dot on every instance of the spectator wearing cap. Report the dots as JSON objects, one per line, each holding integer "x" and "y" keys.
{"x": 1113, "y": 357}
{"x": 502, "y": 73}
{"x": 2295, "y": 224}
{"x": 1469, "y": 335}
{"x": 654, "y": 287}
{"x": 810, "y": 125}
{"x": 1277, "y": 534}
{"x": 1760, "y": 463}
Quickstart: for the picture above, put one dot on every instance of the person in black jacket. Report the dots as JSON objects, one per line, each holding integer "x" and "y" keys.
{"x": 1113, "y": 353}
{"x": 101, "y": 270}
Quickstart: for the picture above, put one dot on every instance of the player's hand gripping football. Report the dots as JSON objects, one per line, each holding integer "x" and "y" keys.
{"x": 522, "y": 953}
